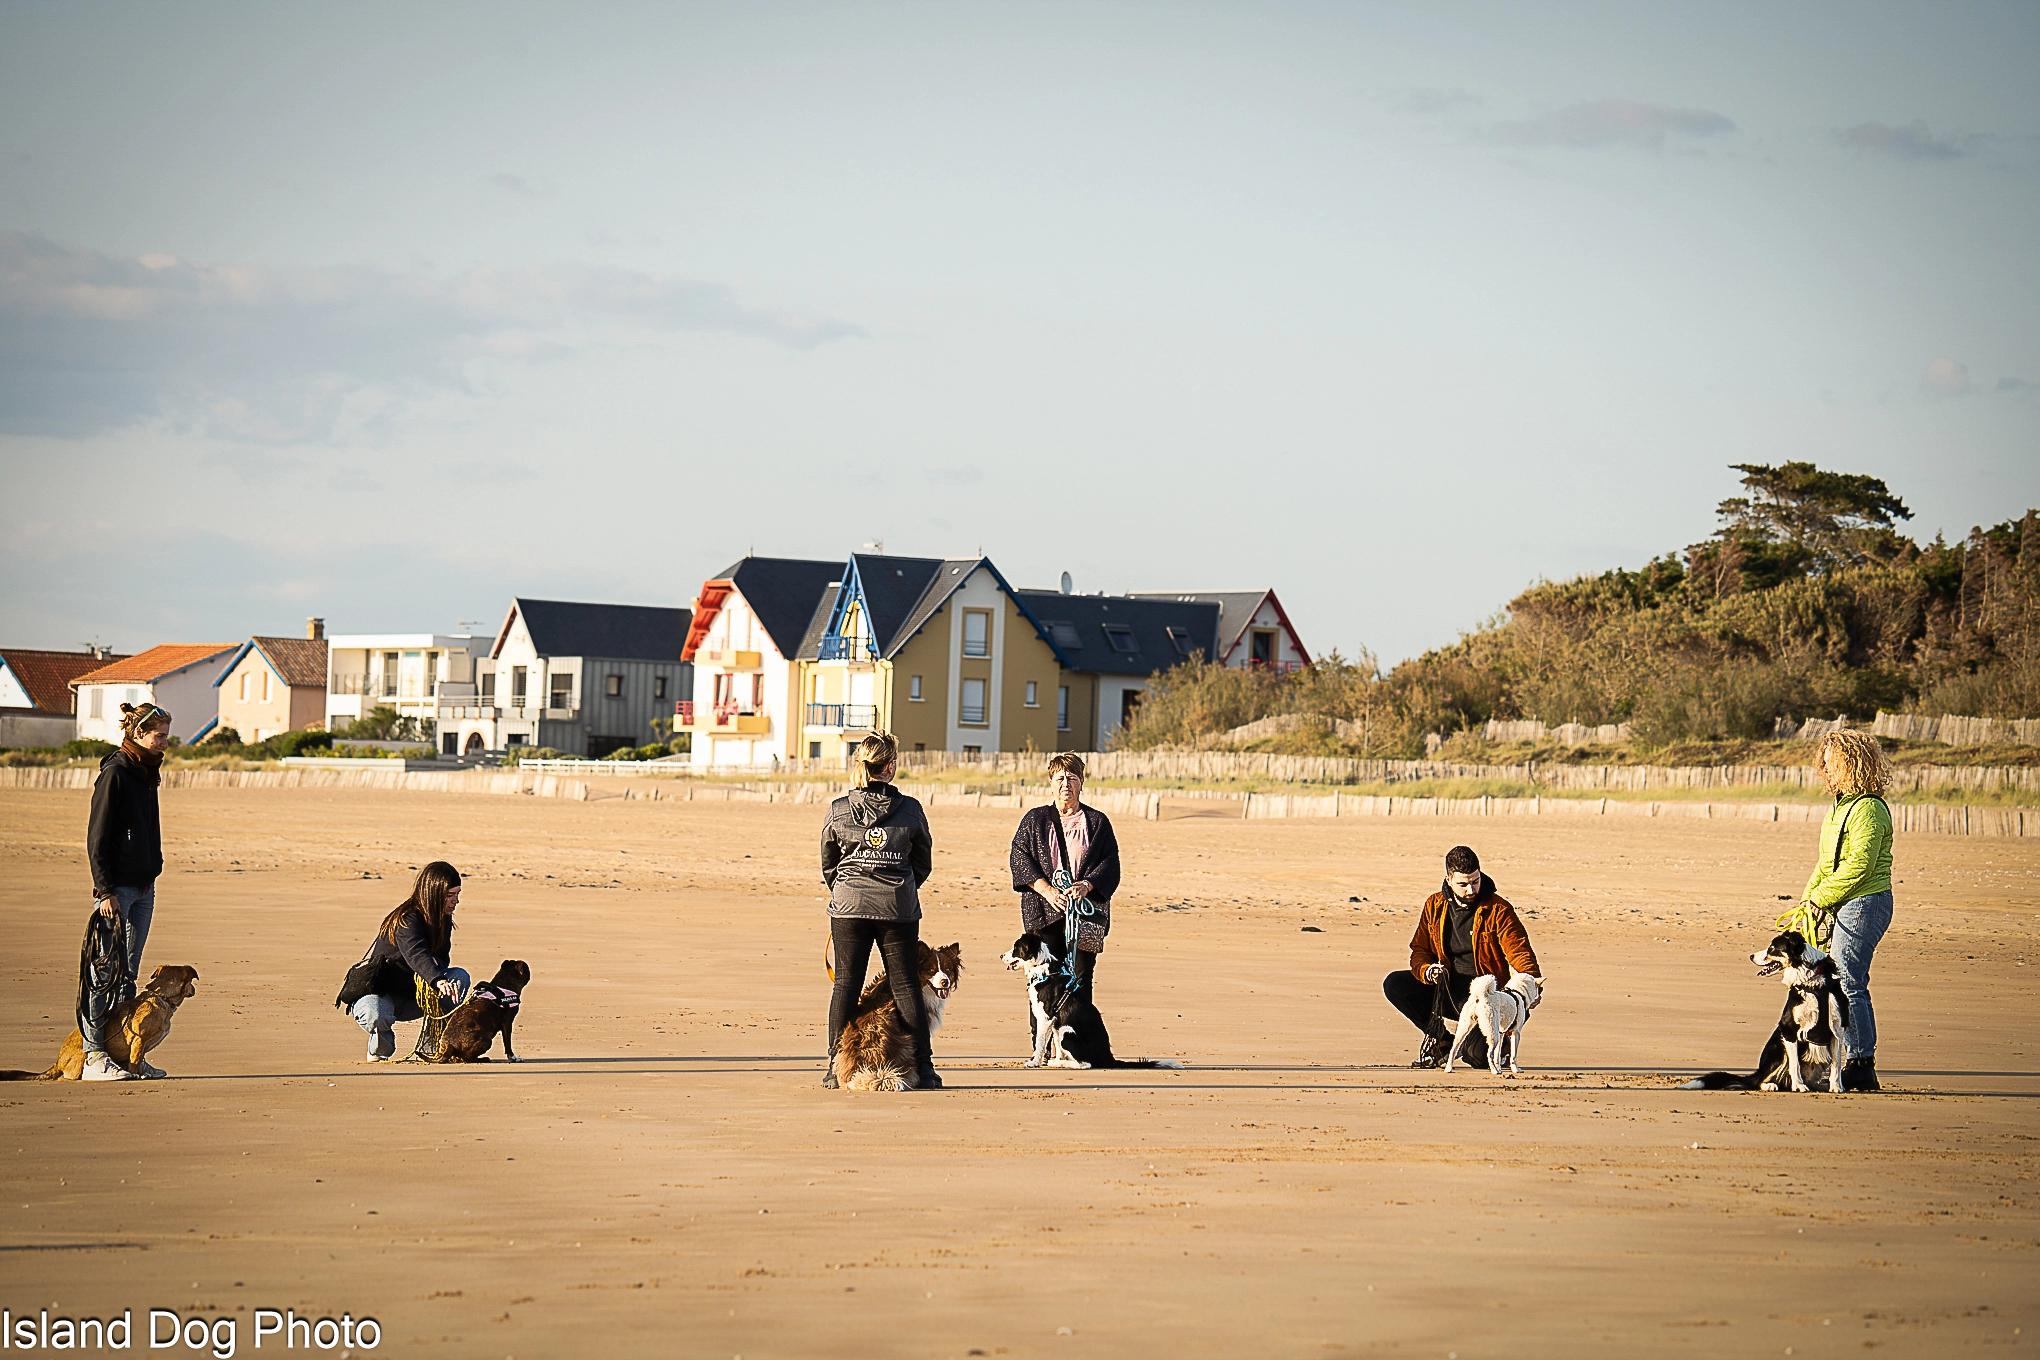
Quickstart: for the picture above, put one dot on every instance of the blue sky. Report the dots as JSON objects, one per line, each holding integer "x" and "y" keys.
{"x": 386, "y": 313}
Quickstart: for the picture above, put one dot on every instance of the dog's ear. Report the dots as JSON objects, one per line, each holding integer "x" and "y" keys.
{"x": 523, "y": 971}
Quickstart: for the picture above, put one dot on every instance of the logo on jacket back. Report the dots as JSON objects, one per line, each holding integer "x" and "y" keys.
{"x": 875, "y": 838}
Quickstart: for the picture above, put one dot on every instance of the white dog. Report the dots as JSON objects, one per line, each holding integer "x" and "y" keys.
{"x": 1501, "y": 1013}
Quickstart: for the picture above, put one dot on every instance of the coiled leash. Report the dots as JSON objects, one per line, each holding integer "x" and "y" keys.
{"x": 1075, "y": 912}
{"x": 105, "y": 978}
{"x": 1815, "y": 925}
{"x": 432, "y": 1034}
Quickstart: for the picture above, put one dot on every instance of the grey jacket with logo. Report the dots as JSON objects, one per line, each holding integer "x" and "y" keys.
{"x": 876, "y": 854}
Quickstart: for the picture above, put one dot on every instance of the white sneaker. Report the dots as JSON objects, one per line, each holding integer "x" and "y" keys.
{"x": 151, "y": 1071}
{"x": 99, "y": 1067}
{"x": 376, "y": 1052}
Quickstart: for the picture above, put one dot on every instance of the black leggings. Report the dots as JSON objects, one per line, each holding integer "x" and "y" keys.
{"x": 1087, "y": 969}
{"x": 896, "y": 941}
{"x": 1415, "y": 999}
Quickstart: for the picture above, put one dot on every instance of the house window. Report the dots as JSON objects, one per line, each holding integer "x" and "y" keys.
{"x": 389, "y": 675}
{"x": 98, "y": 700}
{"x": 263, "y": 676}
{"x": 1064, "y": 634}
{"x": 613, "y": 687}
{"x": 920, "y": 746}
{"x": 245, "y": 677}
{"x": 914, "y": 688}
{"x": 517, "y": 676}
{"x": 658, "y": 687}
{"x": 973, "y": 707}
{"x": 488, "y": 679}
{"x": 1179, "y": 638}
{"x": 562, "y": 692}
{"x": 757, "y": 693}
{"x": 1033, "y": 694}
{"x": 814, "y": 750}
{"x": 1121, "y": 637}
{"x": 977, "y": 632}
{"x": 1062, "y": 708}
{"x": 973, "y": 750}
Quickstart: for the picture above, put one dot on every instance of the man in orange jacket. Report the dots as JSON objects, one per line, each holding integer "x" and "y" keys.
{"x": 1465, "y": 929}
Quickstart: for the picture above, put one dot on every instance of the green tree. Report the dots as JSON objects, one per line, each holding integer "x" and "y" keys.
{"x": 1821, "y": 520}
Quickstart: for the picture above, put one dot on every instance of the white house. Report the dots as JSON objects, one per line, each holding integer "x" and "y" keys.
{"x": 403, "y": 671}
{"x": 177, "y": 676}
{"x": 36, "y": 703}
{"x": 745, "y": 645}
{"x": 585, "y": 679}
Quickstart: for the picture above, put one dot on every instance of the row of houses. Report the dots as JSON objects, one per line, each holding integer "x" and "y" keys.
{"x": 776, "y": 659}
{"x": 795, "y": 658}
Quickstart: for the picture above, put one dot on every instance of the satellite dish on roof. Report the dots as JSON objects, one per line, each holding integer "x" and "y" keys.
{"x": 1067, "y": 584}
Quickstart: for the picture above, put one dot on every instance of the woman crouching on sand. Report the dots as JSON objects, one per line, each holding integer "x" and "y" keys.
{"x": 413, "y": 944}
{"x": 124, "y": 848}
{"x": 876, "y": 853}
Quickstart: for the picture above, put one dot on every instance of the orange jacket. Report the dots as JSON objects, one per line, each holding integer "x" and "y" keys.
{"x": 1499, "y": 940}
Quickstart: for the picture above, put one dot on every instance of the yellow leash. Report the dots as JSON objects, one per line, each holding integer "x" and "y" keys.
{"x": 1817, "y": 927}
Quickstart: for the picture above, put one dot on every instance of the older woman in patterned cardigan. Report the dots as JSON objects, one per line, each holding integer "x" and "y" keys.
{"x": 1087, "y": 849}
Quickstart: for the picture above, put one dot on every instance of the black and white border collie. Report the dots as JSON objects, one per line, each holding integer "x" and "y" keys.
{"x": 1069, "y": 1031}
{"x": 1808, "y": 1043}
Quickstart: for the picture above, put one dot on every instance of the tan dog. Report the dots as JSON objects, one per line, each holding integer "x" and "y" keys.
{"x": 131, "y": 1031}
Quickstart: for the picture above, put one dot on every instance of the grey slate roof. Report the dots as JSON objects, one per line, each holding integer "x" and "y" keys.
{"x": 1076, "y": 626}
{"x": 1235, "y": 608}
{"x": 782, "y": 592}
{"x": 620, "y": 632}
{"x": 892, "y": 587}
{"x": 818, "y": 624}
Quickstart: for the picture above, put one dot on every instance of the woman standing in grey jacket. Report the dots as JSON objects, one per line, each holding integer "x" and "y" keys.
{"x": 876, "y": 854}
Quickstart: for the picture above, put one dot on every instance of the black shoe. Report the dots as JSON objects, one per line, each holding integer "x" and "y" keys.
{"x": 1437, "y": 1044}
{"x": 1860, "y": 1074}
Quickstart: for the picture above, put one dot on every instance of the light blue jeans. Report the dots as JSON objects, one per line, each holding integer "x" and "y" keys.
{"x": 1859, "y": 924}
{"x": 137, "y": 907}
{"x": 377, "y": 1015}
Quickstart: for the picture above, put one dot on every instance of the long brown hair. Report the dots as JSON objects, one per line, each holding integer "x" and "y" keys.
{"x": 428, "y": 900}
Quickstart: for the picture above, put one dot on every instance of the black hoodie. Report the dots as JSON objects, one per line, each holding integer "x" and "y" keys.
{"x": 876, "y": 854}
{"x": 124, "y": 838}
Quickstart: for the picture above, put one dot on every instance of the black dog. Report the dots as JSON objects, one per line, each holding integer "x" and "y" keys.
{"x": 490, "y": 1009}
{"x": 1809, "y": 1033}
{"x": 1069, "y": 1031}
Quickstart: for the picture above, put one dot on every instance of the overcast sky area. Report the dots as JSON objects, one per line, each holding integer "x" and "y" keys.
{"x": 388, "y": 313}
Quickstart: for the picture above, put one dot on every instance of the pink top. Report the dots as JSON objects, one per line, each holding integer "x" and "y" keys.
{"x": 1078, "y": 835}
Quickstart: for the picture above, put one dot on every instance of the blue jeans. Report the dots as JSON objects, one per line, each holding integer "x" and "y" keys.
{"x": 1859, "y": 925}
{"x": 137, "y": 908}
{"x": 377, "y": 1015}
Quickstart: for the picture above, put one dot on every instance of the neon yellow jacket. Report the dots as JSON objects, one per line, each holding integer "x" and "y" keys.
{"x": 1856, "y": 862}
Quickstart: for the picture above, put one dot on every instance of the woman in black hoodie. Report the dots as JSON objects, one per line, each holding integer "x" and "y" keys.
{"x": 124, "y": 846}
{"x": 876, "y": 854}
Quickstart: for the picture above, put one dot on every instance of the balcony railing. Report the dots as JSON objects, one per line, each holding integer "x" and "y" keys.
{"x": 731, "y": 659}
{"x": 845, "y": 649}
{"x": 373, "y": 686}
{"x": 1278, "y": 667}
{"x": 842, "y": 715}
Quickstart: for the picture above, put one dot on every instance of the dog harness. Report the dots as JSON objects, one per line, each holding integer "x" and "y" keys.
{"x": 489, "y": 991}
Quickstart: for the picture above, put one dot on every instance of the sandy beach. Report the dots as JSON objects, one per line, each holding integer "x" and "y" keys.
{"x": 664, "y": 1175}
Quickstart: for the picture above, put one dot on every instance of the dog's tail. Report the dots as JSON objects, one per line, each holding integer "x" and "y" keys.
{"x": 887, "y": 1078}
{"x": 1721, "y": 1081}
{"x": 1170, "y": 1063}
{"x": 1484, "y": 985}
{"x": 55, "y": 1073}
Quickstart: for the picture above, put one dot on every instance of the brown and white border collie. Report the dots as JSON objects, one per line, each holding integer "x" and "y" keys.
{"x": 876, "y": 1053}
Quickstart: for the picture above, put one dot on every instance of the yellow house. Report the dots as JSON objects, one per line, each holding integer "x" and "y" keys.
{"x": 940, "y": 651}
{"x": 274, "y": 684}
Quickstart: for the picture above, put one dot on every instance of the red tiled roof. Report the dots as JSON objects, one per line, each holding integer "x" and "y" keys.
{"x": 47, "y": 676}
{"x": 153, "y": 664}
{"x": 300, "y": 661}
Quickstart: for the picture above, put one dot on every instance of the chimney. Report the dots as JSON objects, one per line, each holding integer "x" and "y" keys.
{"x": 315, "y": 629}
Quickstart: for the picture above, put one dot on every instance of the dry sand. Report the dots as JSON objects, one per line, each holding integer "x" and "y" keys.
{"x": 664, "y": 1175}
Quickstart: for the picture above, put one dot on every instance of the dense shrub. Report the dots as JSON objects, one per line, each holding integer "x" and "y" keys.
{"x": 85, "y": 748}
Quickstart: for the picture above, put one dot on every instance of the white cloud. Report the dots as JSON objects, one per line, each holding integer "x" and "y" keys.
{"x": 1945, "y": 377}
{"x": 1913, "y": 142}
{"x": 92, "y": 342}
{"x": 1621, "y": 123}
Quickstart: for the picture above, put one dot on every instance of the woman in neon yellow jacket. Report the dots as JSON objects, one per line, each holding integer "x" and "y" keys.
{"x": 1851, "y": 883}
